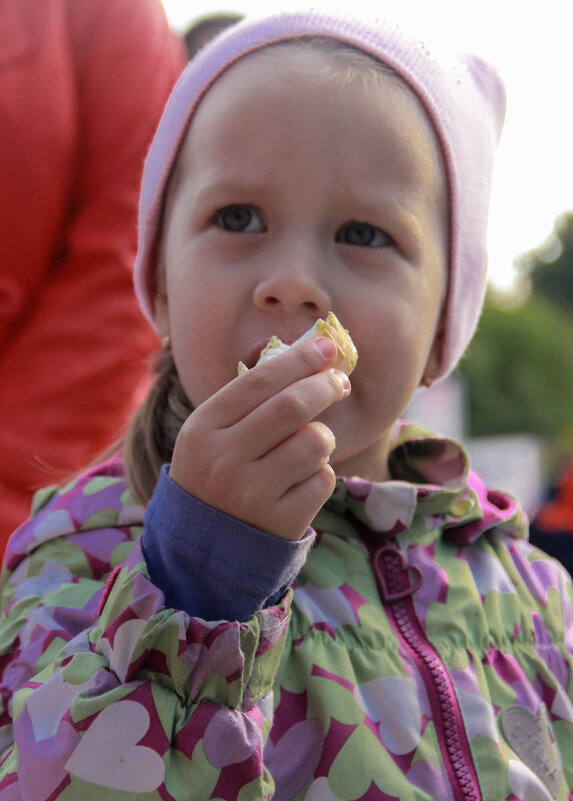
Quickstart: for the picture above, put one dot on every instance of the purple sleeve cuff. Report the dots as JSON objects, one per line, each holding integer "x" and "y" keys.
{"x": 212, "y": 565}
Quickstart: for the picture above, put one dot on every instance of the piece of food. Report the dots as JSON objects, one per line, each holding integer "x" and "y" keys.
{"x": 330, "y": 327}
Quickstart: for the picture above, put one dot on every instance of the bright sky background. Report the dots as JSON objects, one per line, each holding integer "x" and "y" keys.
{"x": 530, "y": 43}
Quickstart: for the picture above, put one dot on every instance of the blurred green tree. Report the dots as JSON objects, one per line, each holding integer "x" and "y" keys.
{"x": 550, "y": 267}
{"x": 519, "y": 368}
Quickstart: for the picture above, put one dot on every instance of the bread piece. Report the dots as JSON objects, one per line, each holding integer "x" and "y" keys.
{"x": 330, "y": 327}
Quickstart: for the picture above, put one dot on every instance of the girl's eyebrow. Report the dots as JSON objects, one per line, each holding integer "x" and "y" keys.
{"x": 209, "y": 191}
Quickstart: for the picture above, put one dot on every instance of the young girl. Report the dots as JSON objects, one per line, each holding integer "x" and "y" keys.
{"x": 319, "y": 601}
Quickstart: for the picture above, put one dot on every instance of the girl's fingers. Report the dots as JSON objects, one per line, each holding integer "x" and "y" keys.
{"x": 297, "y": 458}
{"x": 247, "y": 392}
{"x": 294, "y": 481}
{"x": 302, "y": 502}
{"x": 288, "y": 411}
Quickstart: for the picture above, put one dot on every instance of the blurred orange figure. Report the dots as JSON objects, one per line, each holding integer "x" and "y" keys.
{"x": 558, "y": 513}
{"x": 552, "y": 528}
{"x": 82, "y": 87}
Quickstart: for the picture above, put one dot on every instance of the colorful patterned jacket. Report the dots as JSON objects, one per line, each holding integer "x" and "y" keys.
{"x": 425, "y": 651}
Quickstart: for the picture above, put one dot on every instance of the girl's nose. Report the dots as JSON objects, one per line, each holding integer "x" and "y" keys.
{"x": 293, "y": 287}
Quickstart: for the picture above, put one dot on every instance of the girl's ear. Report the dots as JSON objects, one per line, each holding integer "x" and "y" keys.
{"x": 162, "y": 319}
{"x": 162, "y": 315}
{"x": 162, "y": 305}
{"x": 434, "y": 363}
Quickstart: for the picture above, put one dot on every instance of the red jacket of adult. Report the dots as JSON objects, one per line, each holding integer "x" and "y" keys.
{"x": 82, "y": 87}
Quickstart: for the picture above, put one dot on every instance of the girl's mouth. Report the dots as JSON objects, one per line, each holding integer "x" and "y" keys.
{"x": 255, "y": 352}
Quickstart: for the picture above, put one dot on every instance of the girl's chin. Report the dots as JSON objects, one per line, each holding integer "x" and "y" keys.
{"x": 370, "y": 463}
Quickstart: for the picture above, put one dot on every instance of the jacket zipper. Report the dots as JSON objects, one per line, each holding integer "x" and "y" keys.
{"x": 397, "y": 581}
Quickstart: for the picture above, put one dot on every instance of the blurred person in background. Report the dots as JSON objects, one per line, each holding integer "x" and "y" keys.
{"x": 552, "y": 526}
{"x": 82, "y": 87}
{"x": 206, "y": 28}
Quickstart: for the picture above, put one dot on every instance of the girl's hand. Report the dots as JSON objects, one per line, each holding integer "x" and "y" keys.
{"x": 254, "y": 451}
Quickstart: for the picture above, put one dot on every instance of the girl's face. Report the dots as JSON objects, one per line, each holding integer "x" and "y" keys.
{"x": 294, "y": 196}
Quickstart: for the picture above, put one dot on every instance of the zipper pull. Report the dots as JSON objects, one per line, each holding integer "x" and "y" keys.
{"x": 396, "y": 578}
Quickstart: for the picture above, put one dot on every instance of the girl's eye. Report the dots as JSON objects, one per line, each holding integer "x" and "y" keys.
{"x": 363, "y": 235}
{"x": 240, "y": 219}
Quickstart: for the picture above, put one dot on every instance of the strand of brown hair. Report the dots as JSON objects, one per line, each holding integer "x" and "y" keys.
{"x": 151, "y": 435}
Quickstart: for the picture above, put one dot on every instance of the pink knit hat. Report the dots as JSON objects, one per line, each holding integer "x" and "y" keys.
{"x": 465, "y": 100}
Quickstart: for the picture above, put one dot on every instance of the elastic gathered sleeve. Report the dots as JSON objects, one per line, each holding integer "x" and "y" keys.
{"x": 210, "y": 564}
{"x": 141, "y": 702}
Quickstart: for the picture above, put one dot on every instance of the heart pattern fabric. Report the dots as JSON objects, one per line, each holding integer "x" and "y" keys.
{"x": 108, "y": 753}
{"x": 533, "y": 741}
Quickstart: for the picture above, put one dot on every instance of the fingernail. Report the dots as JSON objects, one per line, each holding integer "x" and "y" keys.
{"x": 343, "y": 380}
{"x": 326, "y": 347}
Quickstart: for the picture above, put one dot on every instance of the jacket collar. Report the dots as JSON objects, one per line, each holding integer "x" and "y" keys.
{"x": 432, "y": 490}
